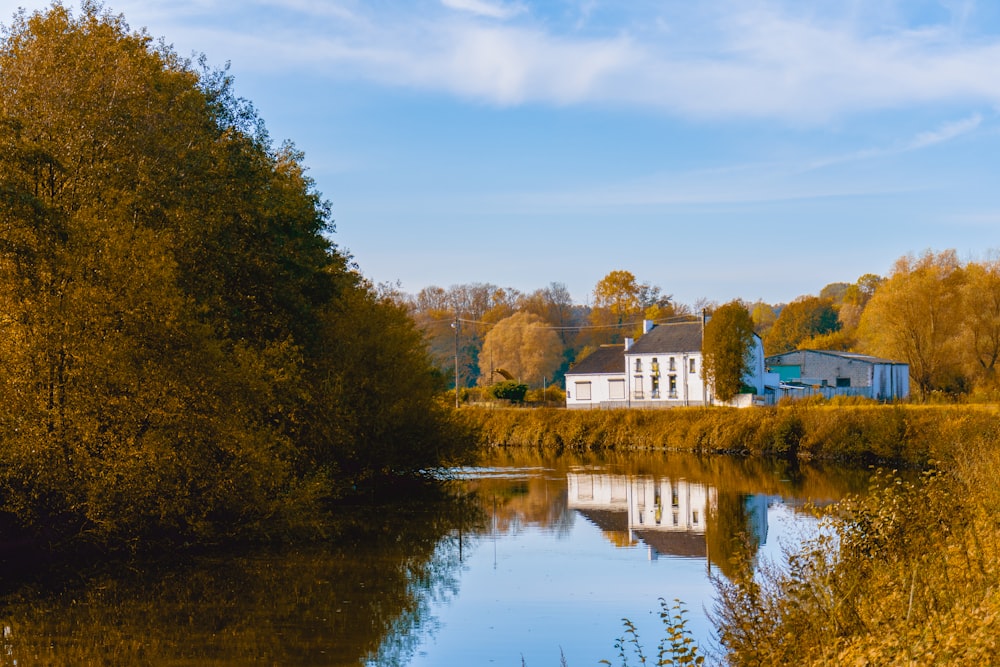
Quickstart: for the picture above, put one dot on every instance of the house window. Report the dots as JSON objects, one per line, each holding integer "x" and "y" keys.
{"x": 616, "y": 390}
{"x": 637, "y": 392}
{"x": 691, "y": 365}
{"x": 655, "y": 367}
{"x": 672, "y": 364}
{"x": 843, "y": 382}
{"x": 672, "y": 386}
{"x": 583, "y": 391}
{"x": 656, "y": 386}
{"x": 638, "y": 365}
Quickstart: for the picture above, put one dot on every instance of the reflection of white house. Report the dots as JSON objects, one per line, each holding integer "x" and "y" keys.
{"x": 668, "y": 515}
{"x": 805, "y": 372}
{"x": 661, "y": 369}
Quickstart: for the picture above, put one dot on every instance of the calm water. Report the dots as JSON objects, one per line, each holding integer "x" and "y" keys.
{"x": 526, "y": 557}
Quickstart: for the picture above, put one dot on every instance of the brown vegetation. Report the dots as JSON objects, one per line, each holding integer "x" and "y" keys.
{"x": 865, "y": 432}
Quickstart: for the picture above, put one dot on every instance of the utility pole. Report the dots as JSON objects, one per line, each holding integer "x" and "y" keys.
{"x": 454, "y": 325}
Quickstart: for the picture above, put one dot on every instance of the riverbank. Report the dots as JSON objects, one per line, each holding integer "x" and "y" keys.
{"x": 903, "y": 434}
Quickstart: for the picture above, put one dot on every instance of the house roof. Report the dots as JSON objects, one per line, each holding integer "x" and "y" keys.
{"x": 605, "y": 359}
{"x": 788, "y": 357}
{"x": 675, "y": 338}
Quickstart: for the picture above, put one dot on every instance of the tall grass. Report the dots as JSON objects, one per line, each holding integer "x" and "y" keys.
{"x": 908, "y": 434}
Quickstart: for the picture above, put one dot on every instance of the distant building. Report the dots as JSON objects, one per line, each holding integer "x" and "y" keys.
{"x": 662, "y": 369}
{"x": 832, "y": 373}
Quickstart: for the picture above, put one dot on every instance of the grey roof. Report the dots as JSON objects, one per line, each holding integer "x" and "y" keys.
{"x": 676, "y": 338}
{"x": 605, "y": 359}
{"x": 777, "y": 359}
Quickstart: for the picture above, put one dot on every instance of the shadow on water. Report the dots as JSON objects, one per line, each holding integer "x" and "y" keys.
{"x": 358, "y": 598}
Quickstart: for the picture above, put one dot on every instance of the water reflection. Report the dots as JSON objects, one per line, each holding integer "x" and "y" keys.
{"x": 359, "y": 599}
{"x": 525, "y": 555}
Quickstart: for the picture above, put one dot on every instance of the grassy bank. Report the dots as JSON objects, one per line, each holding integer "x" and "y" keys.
{"x": 860, "y": 433}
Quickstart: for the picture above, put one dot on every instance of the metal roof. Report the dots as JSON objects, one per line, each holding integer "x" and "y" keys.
{"x": 777, "y": 359}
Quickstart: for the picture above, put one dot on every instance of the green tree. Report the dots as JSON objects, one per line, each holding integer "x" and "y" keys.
{"x": 727, "y": 349}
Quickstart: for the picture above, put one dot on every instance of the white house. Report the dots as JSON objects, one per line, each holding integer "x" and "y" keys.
{"x": 663, "y": 368}
{"x": 598, "y": 380}
{"x": 830, "y": 372}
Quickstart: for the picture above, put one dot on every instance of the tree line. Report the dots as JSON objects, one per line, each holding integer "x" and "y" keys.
{"x": 932, "y": 311}
{"x": 185, "y": 353}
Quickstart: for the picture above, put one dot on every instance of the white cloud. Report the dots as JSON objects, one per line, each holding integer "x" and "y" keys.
{"x": 943, "y": 134}
{"x": 946, "y": 132}
{"x": 738, "y": 59}
{"x": 495, "y": 10}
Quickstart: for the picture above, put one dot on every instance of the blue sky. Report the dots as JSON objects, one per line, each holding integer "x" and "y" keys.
{"x": 738, "y": 148}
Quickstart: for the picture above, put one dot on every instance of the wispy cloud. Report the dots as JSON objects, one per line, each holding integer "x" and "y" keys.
{"x": 495, "y": 10}
{"x": 946, "y": 132}
{"x": 943, "y": 134}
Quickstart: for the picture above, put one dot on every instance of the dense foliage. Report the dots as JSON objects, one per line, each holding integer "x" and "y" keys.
{"x": 185, "y": 353}
{"x": 727, "y": 349}
{"x": 906, "y": 574}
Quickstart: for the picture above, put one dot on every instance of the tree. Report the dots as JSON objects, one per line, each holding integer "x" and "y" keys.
{"x": 620, "y": 302}
{"x": 764, "y": 317}
{"x": 855, "y": 299}
{"x": 727, "y": 349}
{"x": 522, "y": 345}
{"x": 981, "y": 306}
{"x": 177, "y": 326}
{"x": 914, "y": 316}
{"x": 803, "y": 318}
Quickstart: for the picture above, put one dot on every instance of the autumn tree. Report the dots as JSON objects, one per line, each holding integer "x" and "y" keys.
{"x": 524, "y": 346}
{"x": 177, "y": 326}
{"x": 803, "y": 318}
{"x": 621, "y": 302}
{"x": 763, "y": 317}
{"x": 914, "y": 316}
{"x": 855, "y": 299}
{"x": 980, "y": 337}
{"x": 727, "y": 349}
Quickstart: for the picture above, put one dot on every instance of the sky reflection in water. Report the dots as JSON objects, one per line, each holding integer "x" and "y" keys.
{"x": 558, "y": 568}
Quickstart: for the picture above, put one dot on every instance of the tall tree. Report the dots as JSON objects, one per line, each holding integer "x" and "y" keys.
{"x": 168, "y": 290}
{"x": 727, "y": 348}
{"x": 621, "y": 302}
{"x": 981, "y": 306}
{"x": 914, "y": 316}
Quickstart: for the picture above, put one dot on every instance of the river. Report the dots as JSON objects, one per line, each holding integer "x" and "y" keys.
{"x": 521, "y": 559}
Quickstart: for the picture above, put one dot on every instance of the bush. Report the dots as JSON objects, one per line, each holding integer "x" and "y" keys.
{"x": 509, "y": 390}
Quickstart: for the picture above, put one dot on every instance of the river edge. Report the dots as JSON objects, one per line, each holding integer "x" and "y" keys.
{"x": 893, "y": 434}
